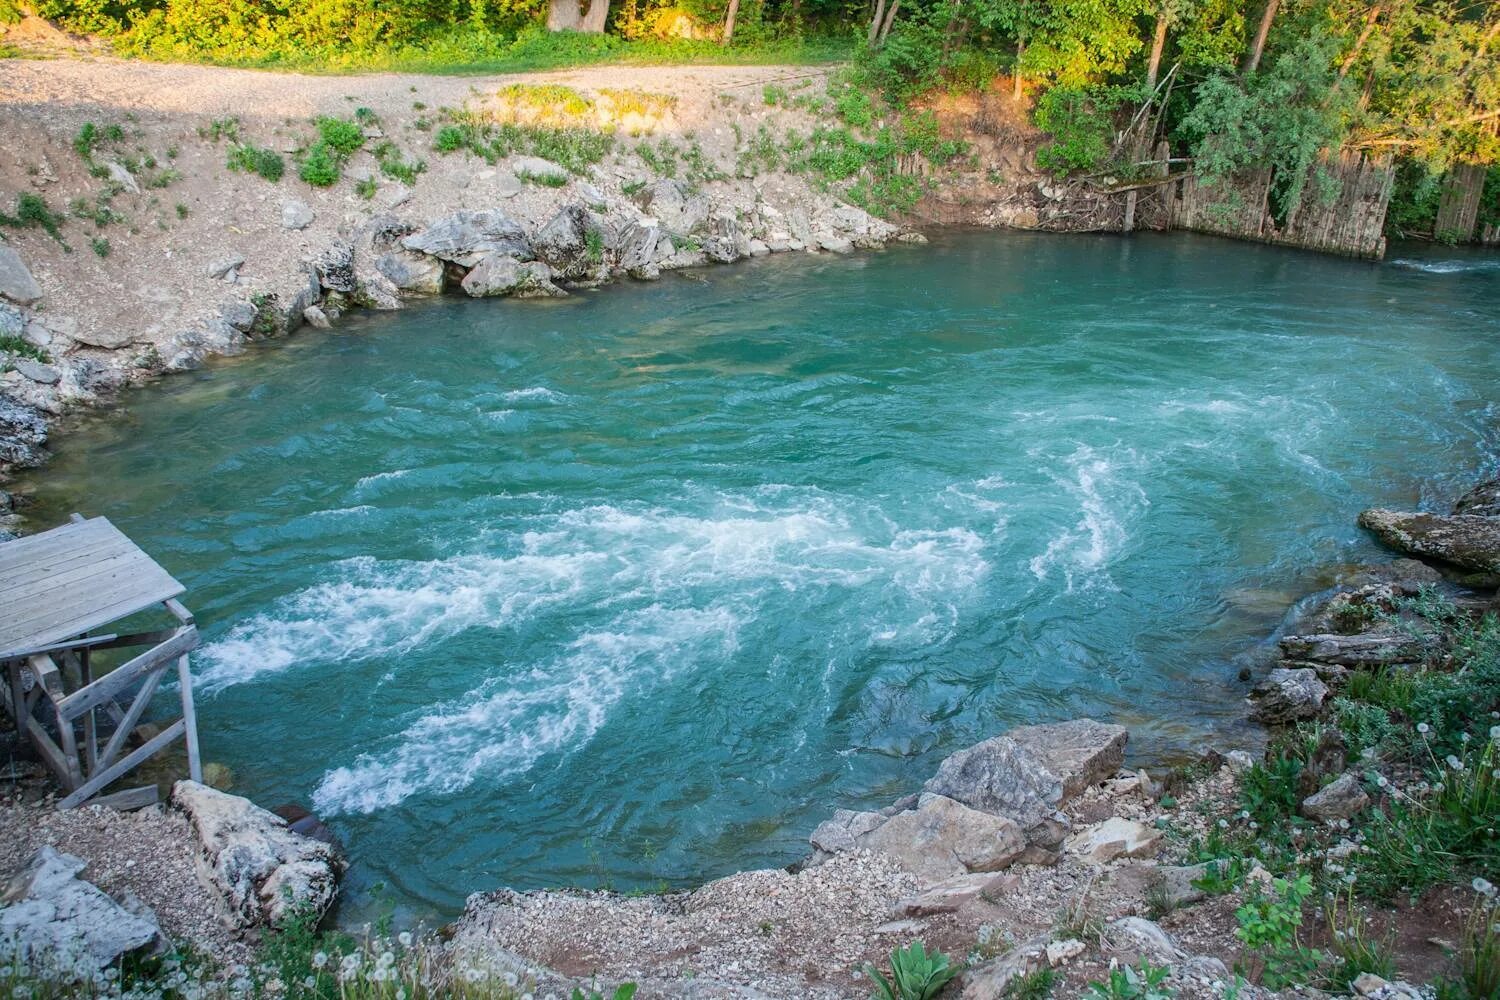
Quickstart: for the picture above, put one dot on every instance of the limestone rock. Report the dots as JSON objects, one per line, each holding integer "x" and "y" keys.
{"x": 678, "y": 210}
{"x": 23, "y": 432}
{"x": 315, "y": 317}
{"x": 1288, "y": 695}
{"x": 951, "y": 894}
{"x": 13, "y": 322}
{"x": 106, "y": 340}
{"x": 1367, "y": 649}
{"x": 573, "y": 244}
{"x": 122, "y": 176}
{"x": 991, "y": 981}
{"x": 834, "y": 243}
{"x": 501, "y": 274}
{"x": 642, "y": 249}
{"x": 36, "y": 371}
{"x": 413, "y": 272}
{"x": 839, "y": 833}
{"x": 1483, "y": 500}
{"x": 335, "y": 268}
{"x": 1114, "y": 838}
{"x": 1144, "y": 938}
{"x": 296, "y": 214}
{"x": 51, "y": 913}
{"x": 264, "y": 870}
{"x": 1176, "y": 883}
{"x": 942, "y": 838}
{"x": 464, "y": 238}
{"x": 539, "y": 169}
{"x": 1467, "y": 541}
{"x": 16, "y": 282}
{"x": 1029, "y": 772}
{"x": 1342, "y": 798}
{"x": 224, "y": 266}
{"x": 239, "y": 314}
{"x": 1060, "y": 952}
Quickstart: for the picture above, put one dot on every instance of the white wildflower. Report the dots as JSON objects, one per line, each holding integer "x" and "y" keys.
{"x": 319, "y": 959}
{"x": 404, "y": 938}
{"x": 1422, "y": 728}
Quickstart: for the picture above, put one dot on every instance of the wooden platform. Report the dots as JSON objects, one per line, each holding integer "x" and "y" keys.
{"x": 57, "y": 589}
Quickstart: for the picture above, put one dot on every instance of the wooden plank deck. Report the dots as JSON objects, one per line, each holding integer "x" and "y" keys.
{"x": 71, "y": 580}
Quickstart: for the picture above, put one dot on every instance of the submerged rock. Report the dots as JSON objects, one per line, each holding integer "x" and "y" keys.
{"x": 50, "y": 913}
{"x": 1468, "y": 541}
{"x": 1483, "y": 500}
{"x": 264, "y": 870}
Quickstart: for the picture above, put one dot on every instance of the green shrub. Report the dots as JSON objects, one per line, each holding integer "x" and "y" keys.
{"x": 1127, "y": 983}
{"x": 100, "y": 245}
{"x": 320, "y": 166}
{"x": 1268, "y": 926}
{"x": 255, "y": 160}
{"x": 343, "y": 137}
{"x": 1080, "y": 121}
{"x": 32, "y": 212}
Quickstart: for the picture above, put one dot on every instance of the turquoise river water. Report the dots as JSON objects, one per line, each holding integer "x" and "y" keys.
{"x": 638, "y": 586}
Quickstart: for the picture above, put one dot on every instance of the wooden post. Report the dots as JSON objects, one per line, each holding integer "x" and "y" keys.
{"x": 1458, "y": 208}
{"x": 190, "y": 718}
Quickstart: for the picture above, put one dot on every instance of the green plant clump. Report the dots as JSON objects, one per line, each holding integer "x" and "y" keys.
{"x": 915, "y": 975}
{"x": 265, "y": 163}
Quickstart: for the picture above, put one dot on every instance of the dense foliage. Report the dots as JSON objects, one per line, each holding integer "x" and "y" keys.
{"x": 1232, "y": 83}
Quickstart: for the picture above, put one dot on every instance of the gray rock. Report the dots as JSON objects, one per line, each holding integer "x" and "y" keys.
{"x": 1342, "y": 798}
{"x": 725, "y": 244}
{"x": 16, "y": 282}
{"x": 1176, "y": 883}
{"x": 397, "y": 196}
{"x": 296, "y": 214}
{"x": 224, "y": 265}
{"x": 315, "y": 317}
{"x": 36, "y": 371}
{"x": 1031, "y": 771}
{"x": 574, "y": 245}
{"x": 834, "y": 243}
{"x": 536, "y": 167}
{"x": 107, "y": 340}
{"x": 642, "y": 249}
{"x": 950, "y": 895}
{"x": 841, "y": 832}
{"x": 264, "y": 870}
{"x": 413, "y": 272}
{"x": 1144, "y": 938}
{"x": 1468, "y": 541}
{"x": 239, "y": 314}
{"x": 991, "y": 981}
{"x": 501, "y": 274}
{"x": 507, "y": 185}
{"x": 51, "y": 914}
{"x": 942, "y": 838}
{"x": 678, "y": 210}
{"x": 335, "y": 268}
{"x": 23, "y": 433}
{"x": 463, "y": 238}
{"x": 1483, "y": 500}
{"x": 12, "y": 321}
{"x": 1288, "y": 695}
{"x": 122, "y": 176}
{"x": 1367, "y": 649}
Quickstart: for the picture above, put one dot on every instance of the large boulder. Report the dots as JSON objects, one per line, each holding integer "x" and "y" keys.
{"x": 463, "y": 238}
{"x": 23, "y": 432}
{"x": 1368, "y": 649}
{"x": 842, "y": 832}
{"x": 1483, "y": 500}
{"x": 677, "y": 209}
{"x": 1029, "y": 772}
{"x": 942, "y": 838}
{"x": 642, "y": 250}
{"x": 574, "y": 245}
{"x": 1115, "y": 837}
{"x": 50, "y": 915}
{"x": 1288, "y": 695}
{"x": 502, "y": 274}
{"x": 335, "y": 268}
{"x": 16, "y": 282}
{"x": 1468, "y": 541}
{"x": 266, "y": 873}
{"x": 413, "y": 272}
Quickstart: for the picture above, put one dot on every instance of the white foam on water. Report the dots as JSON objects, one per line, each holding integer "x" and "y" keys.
{"x": 539, "y": 393}
{"x": 388, "y": 608}
{"x": 1447, "y": 266}
{"x": 1106, "y": 500}
{"x": 505, "y": 725}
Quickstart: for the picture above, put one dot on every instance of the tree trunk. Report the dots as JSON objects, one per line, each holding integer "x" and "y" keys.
{"x": 890, "y": 18}
{"x": 729, "y": 16}
{"x": 593, "y": 20}
{"x": 562, "y": 15}
{"x": 1359, "y": 43}
{"x": 1016, "y": 91}
{"x": 1252, "y": 61}
{"x": 1158, "y": 43}
{"x": 875, "y": 23}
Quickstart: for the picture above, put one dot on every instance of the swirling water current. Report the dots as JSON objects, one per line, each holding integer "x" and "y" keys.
{"x": 637, "y": 586}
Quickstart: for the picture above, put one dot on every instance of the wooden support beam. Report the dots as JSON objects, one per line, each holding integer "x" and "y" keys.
{"x": 111, "y": 684}
{"x": 51, "y": 755}
{"x": 132, "y": 716}
{"x": 86, "y": 791}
